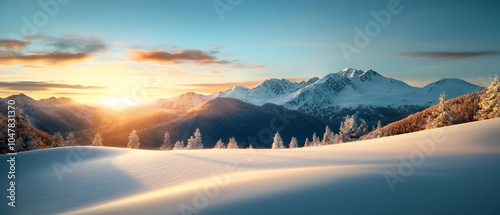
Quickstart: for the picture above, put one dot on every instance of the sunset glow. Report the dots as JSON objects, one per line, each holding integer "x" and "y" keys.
{"x": 163, "y": 51}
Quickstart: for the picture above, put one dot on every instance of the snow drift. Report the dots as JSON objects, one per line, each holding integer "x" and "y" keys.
{"x": 451, "y": 170}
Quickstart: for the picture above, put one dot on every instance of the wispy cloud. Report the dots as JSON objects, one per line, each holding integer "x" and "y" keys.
{"x": 257, "y": 67}
{"x": 186, "y": 55}
{"x": 12, "y": 44}
{"x": 450, "y": 55}
{"x": 39, "y": 86}
{"x": 55, "y": 50}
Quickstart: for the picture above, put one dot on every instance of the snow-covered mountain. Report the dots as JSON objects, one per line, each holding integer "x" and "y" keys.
{"x": 367, "y": 94}
{"x": 347, "y": 88}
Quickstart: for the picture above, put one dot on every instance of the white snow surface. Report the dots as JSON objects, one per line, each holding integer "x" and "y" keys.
{"x": 452, "y": 170}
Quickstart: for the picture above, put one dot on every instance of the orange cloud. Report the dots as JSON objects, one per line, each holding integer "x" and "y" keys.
{"x": 13, "y": 44}
{"x": 160, "y": 56}
{"x": 47, "y": 58}
{"x": 257, "y": 67}
{"x": 217, "y": 72}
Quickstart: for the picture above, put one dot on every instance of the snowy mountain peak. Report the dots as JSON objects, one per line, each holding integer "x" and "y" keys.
{"x": 351, "y": 72}
{"x": 451, "y": 86}
{"x": 277, "y": 86}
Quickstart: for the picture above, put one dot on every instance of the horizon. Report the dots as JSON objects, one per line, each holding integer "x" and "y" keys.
{"x": 123, "y": 103}
{"x": 139, "y": 52}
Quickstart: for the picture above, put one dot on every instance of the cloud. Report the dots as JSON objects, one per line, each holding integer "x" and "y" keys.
{"x": 12, "y": 44}
{"x": 55, "y": 50}
{"x": 189, "y": 55}
{"x": 449, "y": 55}
{"x": 39, "y": 86}
{"x": 217, "y": 72}
{"x": 257, "y": 67}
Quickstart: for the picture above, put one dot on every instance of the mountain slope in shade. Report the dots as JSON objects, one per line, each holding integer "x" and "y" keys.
{"x": 226, "y": 117}
{"x": 56, "y": 114}
{"x": 459, "y": 176}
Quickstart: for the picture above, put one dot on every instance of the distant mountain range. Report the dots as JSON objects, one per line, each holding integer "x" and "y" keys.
{"x": 241, "y": 111}
{"x": 349, "y": 92}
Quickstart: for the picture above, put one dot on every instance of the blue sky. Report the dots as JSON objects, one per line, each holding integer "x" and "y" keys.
{"x": 99, "y": 49}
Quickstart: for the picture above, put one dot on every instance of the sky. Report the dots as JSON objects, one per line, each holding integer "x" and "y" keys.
{"x": 127, "y": 52}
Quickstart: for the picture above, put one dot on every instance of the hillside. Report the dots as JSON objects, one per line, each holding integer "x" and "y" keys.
{"x": 226, "y": 117}
{"x": 452, "y": 170}
{"x": 462, "y": 110}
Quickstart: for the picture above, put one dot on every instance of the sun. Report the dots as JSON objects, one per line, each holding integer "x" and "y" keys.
{"x": 118, "y": 102}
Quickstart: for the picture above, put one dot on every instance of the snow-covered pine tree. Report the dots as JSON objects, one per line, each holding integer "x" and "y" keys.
{"x": 277, "y": 142}
{"x": 327, "y": 136}
{"x": 378, "y": 130}
{"x": 441, "y": 116}
{"x": 315, "y": 140}
{"x": 190, "y": 143}
{"x": 197, "y": 139}
{"x": 133, "y": 140}
{"x": 167, "y": 142}
{"x": 232, "y": 144}
{"x": 363, "y": 128}
{"x": 58, "y": 140}
{"x": 219, "y": 145}
{"x": 489, "y": 106}
{"x": 337, "y": 139}
{"x": 307, "y": 143}
{"x": 34, "y": 143}
{"x": 38, "y": 144}
{"x": 70, "y": 139}
{"x": 348, "y": 130}
{"x": 97, "y": 140}
{"x": 293, "y": 143}
{"x": 179, "y": 145}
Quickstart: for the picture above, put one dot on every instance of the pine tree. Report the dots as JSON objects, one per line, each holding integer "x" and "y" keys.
{"x": 441, "y": 116}
{"x": 34, "y": 143}
{"x": 293, "y": 143}
{"x": 363, "y": 128}
{"x": 348, "y": 130}
{"x": 70, "y": 139}
{"x": 277, "y": 142}
{"x": 489, "y": 106}
{"x": 97, "y": 140}
{"x": 197, "y": 139}
{"x": 191, "y": 144}
{"x": 307, "y": 143}
{"x": 179, "y": 145}
{"x": 38, "y": 144}
{"x": 327, "y": 136}
{"x": 20, "y": 144}
{"x": 58, "y": 140}
{"x": 219, "y": 145}
{"x": 337, "y": 139}
{"x": 315, "y": 140}
{"x": 232, "y": 144}
{"x": 378, "y": 130}
{"x": 133, "y": 140}
{"x": 167, "y": 143}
